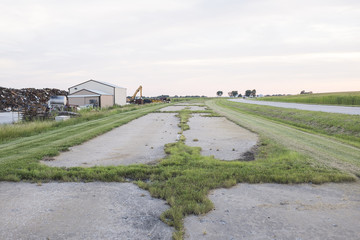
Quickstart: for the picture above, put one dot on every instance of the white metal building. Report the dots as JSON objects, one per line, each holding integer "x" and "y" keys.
{"x": 105, "y": 94}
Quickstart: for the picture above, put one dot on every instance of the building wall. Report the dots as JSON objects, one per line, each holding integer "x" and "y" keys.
{"x": 91, "y": 85}
{"x": 120, "y": 96}
{"x": 82, "y": 101}
{"x": 76, "y": 101}
{"x": 83, "y": 92}
{"x": 87, "y": 100}
{"x": 106, "y": 101}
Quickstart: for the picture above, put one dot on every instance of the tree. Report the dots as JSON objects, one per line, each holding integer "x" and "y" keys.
{"x": 234, "y": 93}
{"x": 253, "y": 93}
{"x": 219, "y": 93}
{"x": 248, "y": 93}
{"x": 240, "y": 95}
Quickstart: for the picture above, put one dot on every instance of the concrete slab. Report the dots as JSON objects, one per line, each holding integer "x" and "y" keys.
{"x": 274, "y": 211}
{"x": 219, "y": 137}
{"x": 80, "y": 211}
{"x": 140, "y": 141}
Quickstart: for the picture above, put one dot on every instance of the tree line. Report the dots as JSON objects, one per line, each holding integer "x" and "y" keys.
{"x": 248, "y": 93}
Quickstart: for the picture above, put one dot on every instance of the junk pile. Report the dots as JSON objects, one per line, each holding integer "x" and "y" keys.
{"x": 30, "y": 101}
{"x": 21, "y": 98}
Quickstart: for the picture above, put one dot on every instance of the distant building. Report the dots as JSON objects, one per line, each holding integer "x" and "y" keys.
{"x": 96, "y": 93}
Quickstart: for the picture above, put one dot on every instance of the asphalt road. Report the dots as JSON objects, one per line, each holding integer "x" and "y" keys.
{"x": 308, "y": 107}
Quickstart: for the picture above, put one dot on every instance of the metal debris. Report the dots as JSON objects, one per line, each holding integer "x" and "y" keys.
{"x": 23, "y": 98}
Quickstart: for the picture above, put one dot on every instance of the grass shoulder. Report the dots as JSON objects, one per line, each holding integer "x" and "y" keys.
{"x": 342, "y": 127}
{"x": 337, "y": 98}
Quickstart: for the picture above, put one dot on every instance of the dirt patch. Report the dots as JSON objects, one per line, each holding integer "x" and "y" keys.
{"x": 179, "y": 108}
{"x": 80, "y": 211}
{"x": 248, "y": 156}
{"x": 140, "y": 141}
{"x": 220, "y": 137}
{"x": 273, "y": 211}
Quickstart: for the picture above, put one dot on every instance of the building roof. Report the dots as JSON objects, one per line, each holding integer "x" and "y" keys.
{"x": 81, "y": 96}
{"x": 96, "y": 93}
{"x": 104, "y": 83}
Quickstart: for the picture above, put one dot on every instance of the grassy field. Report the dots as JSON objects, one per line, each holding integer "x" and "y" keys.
{"x": 185, "y": 177}
{"x": 337, "y": 98}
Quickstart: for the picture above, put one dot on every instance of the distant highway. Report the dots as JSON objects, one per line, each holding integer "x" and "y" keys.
{"x": 309, "y": 107}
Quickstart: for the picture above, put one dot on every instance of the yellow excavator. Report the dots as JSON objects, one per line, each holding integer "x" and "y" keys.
{"x": 137, "y": 101}
{"x": 140, "y": 100}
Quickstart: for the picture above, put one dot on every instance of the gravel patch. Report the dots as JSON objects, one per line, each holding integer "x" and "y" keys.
{"x": 179, "y": 108}
{"x": 80, "y": 211}
{"x": 219, "y": 137}
{"x": 272, "y": 211}
{"x": 140, "y": 141}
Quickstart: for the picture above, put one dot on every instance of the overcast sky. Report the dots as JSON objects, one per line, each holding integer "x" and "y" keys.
{"x": 183, "y": 47}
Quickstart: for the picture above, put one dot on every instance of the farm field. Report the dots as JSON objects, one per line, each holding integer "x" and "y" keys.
{"x": 336, "y": 98}
{"x": 184, "y": 176}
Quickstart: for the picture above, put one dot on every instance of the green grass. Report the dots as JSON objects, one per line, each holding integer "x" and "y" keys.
{"x": 184, "y": 116}
{"x": 343, "y": 127}
{"x": 22, "y": 155}
{"x": 26, "y": 129}
{"x": 189, "y": 100}
{"x": 337, "y": 98}
{"x": 323, "y": 149}
{"x": 183, "y": 178}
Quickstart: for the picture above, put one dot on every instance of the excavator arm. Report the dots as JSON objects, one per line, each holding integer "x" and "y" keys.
{"x": 136, "y": 92}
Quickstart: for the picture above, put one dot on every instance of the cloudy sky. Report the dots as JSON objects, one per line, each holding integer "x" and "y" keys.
{"x": 183, "y": 47}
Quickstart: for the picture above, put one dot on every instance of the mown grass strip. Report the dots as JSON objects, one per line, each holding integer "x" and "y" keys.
{"x": 324, "y": 150}
{"x": 25, "y": 153}
{"x": 63, "y": 132}
{"x": 26, "y": 129}
{"x": 343, "y": 127}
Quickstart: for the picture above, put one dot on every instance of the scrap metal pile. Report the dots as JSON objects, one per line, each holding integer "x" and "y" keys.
{"x": 32, "y": 102}
{"x": 22, "y": 98}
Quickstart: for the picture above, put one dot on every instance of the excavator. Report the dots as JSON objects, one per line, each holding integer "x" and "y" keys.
{"x": 137, "y": 101}
{"x": 140, "y": 100}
